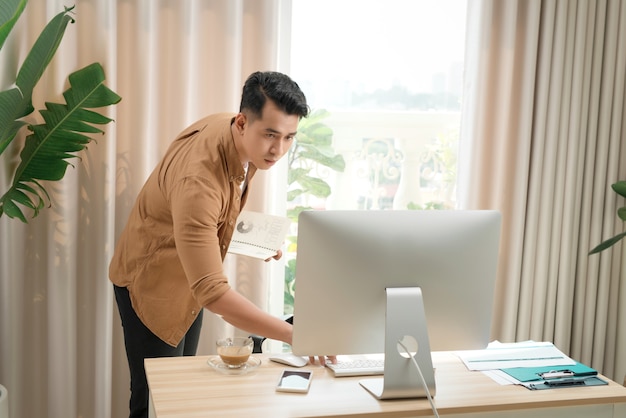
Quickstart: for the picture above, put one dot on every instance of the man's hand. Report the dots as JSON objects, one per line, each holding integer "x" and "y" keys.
{"x": 278, "y": 256}
{"x": 323, "y": 359}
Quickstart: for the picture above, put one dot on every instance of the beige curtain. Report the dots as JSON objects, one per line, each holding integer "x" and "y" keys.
{"x": 543, "y": 128}
{"x": 61, "y": 347}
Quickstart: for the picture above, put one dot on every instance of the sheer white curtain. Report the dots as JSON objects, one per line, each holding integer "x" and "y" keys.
{"x": 543, "y": 128}
{"x": 61, "y": 347}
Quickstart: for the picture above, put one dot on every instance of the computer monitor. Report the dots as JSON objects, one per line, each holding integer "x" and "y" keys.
{"x": 366, "y": 279}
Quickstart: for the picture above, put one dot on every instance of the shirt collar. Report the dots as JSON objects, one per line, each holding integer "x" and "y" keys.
{"x": 236, "y": 170}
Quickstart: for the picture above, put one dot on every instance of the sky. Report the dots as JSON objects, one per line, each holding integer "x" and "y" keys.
{"x": 376, "y": 43}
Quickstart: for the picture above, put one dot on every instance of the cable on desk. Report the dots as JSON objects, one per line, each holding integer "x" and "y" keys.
{"x": 419, "y": 371}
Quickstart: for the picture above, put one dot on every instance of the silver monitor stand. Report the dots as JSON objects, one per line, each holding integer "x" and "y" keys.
{"x": 405, "y": 321}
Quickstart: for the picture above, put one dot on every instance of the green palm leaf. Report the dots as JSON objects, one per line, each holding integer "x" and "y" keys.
{"x": 16, "y": 102}
{"x": 63, "y": 133}
{"x": 10, "y": 11}
{"x": 608, "y": 243}
{"x": 620, "y": 189}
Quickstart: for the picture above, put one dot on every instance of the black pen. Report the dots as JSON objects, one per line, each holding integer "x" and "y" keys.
{"x": 566, "y": 381}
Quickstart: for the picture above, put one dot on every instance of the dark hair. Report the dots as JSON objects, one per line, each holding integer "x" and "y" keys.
{"x": 277, "y": 87}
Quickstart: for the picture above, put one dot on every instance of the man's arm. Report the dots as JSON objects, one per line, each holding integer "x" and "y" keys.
{"x": 245, "y": 315}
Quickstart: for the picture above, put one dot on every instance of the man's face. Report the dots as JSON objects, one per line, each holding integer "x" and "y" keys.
{"x": 263, "y": 141}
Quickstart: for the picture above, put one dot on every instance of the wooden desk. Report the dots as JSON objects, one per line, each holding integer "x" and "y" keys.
{"x": 188, "y": 387}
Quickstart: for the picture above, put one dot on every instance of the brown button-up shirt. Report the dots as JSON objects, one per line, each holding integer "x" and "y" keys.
{"x": 170, "y": 253}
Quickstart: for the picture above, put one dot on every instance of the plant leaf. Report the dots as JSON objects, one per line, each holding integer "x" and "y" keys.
{"x": 314, "y": 117}
{"x": 296, "y": 173}
{"x": 9, "y": 101}
{"x": 608, "y": 243}
{"x": 315, "y": 186}
{"x": 18, "y": 103}
{"x": 12, "y": 211}
{"x": 42, "y": 52}
{"x": 292, "y": 194}
{"x": 335, "y": 162}
{"x": 620, "y": 188}
{"x": 315, "y": 133}
{"x": 10, "y": 12}
{"x": 60, "y": 136}
{"x": 295, "y": 212}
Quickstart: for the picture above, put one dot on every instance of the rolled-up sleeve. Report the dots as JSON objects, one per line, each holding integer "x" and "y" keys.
{"x": 196, "y": 207}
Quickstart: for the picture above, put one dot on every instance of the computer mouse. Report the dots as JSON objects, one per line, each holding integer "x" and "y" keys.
{"x": 289, "y": 359}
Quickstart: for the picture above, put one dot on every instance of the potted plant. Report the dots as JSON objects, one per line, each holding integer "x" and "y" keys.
{"x": 66, "y": 127}
{"x": 620, "y": 189}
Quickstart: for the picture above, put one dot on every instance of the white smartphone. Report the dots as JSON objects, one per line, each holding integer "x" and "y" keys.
{"x": 294, "y": 381}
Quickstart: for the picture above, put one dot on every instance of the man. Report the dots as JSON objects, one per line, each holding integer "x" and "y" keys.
{"x": 167, "y": 265}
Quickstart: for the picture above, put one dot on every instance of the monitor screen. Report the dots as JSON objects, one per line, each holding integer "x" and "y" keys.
{"x": 347, "y": 259}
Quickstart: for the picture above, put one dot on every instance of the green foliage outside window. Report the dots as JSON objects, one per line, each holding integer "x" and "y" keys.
{"x": 312, "y": 150}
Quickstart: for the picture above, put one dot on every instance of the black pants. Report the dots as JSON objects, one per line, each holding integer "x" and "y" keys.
{"x": 141, "y": 343}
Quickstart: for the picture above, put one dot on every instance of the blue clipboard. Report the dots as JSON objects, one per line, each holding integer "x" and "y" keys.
{"x": 539, "y": 378}
{"x": 567, "y": 383}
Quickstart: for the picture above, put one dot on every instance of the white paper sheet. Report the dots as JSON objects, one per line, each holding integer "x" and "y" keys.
{"x": 506, "y": 355}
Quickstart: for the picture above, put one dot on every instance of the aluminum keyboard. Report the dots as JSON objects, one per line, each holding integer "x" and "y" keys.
{"x": 357, "y": 367}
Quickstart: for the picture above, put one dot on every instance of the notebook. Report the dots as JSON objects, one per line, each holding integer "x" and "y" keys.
{"x": 258, "y": 235}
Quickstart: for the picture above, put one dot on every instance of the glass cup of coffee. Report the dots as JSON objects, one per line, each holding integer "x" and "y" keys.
{"x": 234, "y": 351}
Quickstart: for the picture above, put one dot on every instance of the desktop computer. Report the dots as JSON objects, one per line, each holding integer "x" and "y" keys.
{"x": 401, "y": 283}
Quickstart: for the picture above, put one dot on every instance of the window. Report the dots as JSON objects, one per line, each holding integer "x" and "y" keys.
{"x": 384, "y": 80}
